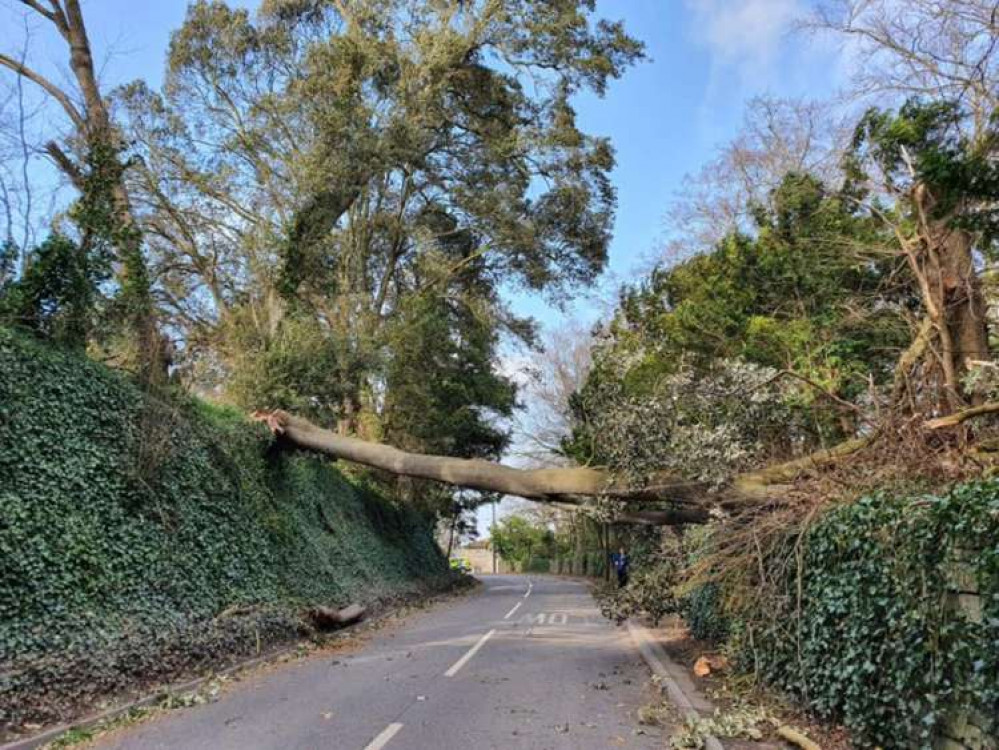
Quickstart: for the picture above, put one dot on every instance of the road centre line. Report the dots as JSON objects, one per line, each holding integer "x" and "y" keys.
{"x": 515, "y": 608}
{"x": 530, "y": 586}
{"x": 464, "y": 660}
{"x": 383, "y": 739}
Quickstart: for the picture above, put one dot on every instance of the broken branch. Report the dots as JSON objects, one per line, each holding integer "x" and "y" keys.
{"x": 953, "y": 420}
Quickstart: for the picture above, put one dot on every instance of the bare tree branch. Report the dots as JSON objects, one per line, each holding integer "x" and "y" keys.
{"x": 50, "y": 88}
{"x": 40, "y": 9}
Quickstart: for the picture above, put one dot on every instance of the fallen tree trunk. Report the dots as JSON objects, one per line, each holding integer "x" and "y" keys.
{"x": 667, "y": 517}
{"x": 763, "y": 482}
{"x": 546, "y": 485}
{"x": 953, "y": 420}
{"x": 689, "y": 502}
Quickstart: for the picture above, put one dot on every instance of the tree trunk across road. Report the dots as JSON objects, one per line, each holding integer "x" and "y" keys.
{"x": 558, "y": 485}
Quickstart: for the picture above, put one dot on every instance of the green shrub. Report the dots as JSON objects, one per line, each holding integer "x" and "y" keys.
{"x": 142, "y": 536}
{"x": 649, "y": 591}
{"x": 538, "y": 565}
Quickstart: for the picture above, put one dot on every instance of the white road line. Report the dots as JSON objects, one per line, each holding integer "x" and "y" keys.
{"x": 383, "y": 739}
{"x": 529, "y": 587}
{"x": 471, "y": 652}
{"x": 515, "y": 608}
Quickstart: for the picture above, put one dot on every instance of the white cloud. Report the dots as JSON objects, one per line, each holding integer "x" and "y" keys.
{"x": 515, "y": 366}
{"x": 745, "y": 36}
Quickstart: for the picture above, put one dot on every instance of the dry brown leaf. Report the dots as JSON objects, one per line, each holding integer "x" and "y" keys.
{"x": 702, "y": 667}
{"x": 709, "y": 663}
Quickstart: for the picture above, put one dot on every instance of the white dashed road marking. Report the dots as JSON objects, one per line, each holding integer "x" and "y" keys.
{"x": 471, "y": 652}
{"x": 383, "y": 739}
{"x": 515, "y": 608}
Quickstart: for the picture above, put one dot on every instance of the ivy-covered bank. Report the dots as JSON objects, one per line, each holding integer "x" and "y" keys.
{"x": 885, "y": 616}
{"x": 141, "y": 538}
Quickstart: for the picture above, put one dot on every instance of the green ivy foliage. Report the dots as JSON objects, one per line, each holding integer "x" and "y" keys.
{"x": 875, "y": 638}
{"x": 702, "y": 611}
{"x": 140, "y": 536}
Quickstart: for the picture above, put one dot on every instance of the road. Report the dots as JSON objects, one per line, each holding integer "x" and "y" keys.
{"x": 525, "y": 662}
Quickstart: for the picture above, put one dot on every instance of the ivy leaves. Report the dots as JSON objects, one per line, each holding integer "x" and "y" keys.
{"x": 866, "y": 629}
{"x": 129, "y": 522}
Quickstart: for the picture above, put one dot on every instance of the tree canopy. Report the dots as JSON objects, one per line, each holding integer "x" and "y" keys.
{"x": 328, "y": 198}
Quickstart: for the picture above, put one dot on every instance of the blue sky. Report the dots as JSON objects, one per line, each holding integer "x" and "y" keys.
{"x": 668, "y": 114}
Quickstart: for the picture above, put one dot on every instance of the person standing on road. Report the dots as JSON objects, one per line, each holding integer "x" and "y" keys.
{"x": 621, "y": 562}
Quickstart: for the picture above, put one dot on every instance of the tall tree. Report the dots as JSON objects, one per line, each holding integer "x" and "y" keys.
{"x": 91, "y": 158}
{"x": 920, "y": 49}
{"x": 927, "y": 163}
{"x": 554, "y": 372}
{"x": 944, "y": 188}
{"x": 778, "y": 136}
{"x": 329, "y": 161}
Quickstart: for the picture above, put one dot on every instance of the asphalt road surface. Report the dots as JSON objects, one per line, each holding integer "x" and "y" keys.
{"x": 525, "y": 662}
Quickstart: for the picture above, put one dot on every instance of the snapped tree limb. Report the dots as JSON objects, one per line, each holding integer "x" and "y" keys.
{"x": 764, "y": 481}
{"x": 953, "y": 420}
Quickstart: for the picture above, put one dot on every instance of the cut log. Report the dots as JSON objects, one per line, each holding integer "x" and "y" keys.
{"x": 326, "y": 618}
{"x": 797, "y": 738}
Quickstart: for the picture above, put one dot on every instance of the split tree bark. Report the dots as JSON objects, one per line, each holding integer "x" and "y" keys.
{"x": 940, "y": 255}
